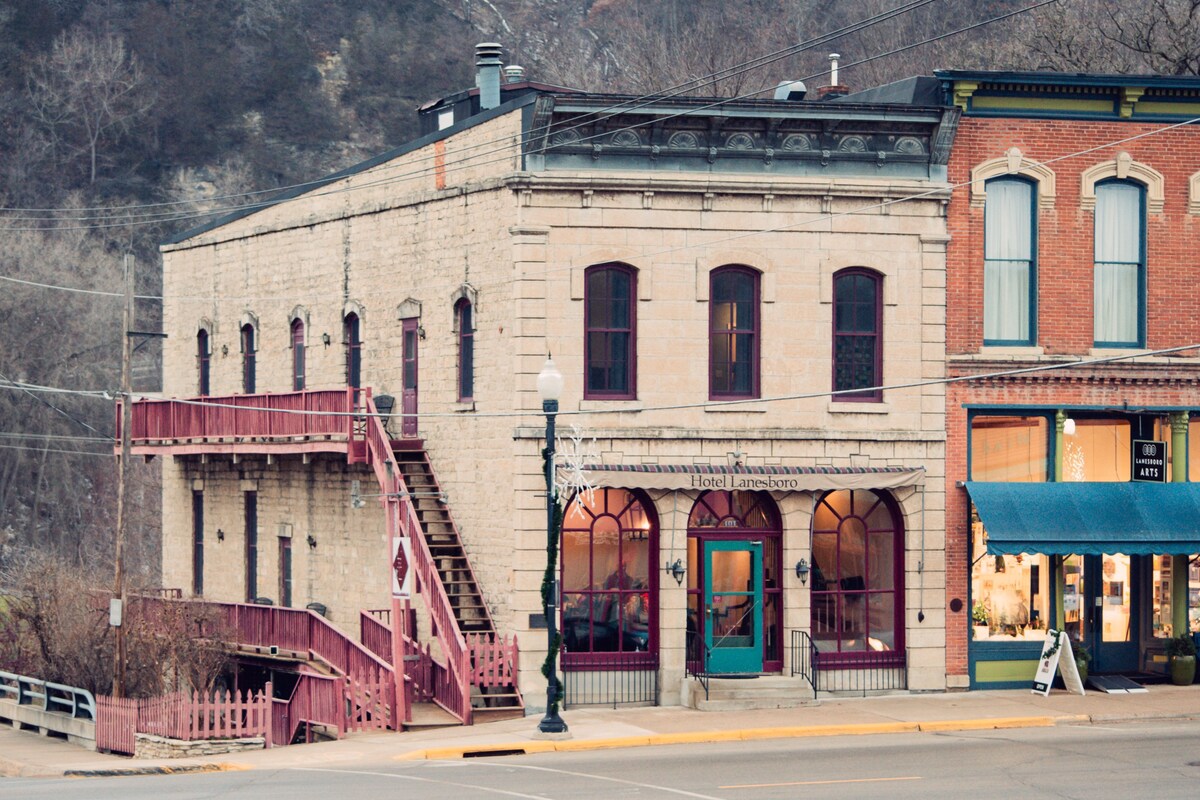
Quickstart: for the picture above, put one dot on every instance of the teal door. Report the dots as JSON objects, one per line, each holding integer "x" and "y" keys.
{"x": 1111, "y": 611}
{"x": 733, "y": 606}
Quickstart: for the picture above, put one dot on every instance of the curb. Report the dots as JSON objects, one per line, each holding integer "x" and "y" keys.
{"x": 745, "y": 734}
{"x": 125, "y": 772}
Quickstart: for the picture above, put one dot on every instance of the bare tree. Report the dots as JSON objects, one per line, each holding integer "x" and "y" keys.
{"x": 87, "y": 90}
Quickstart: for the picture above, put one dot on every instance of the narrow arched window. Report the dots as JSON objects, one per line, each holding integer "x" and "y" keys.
{"x": 248, "y": 356}
{"x": 1009, "y": 264}
{"x": 465, "y": 319}
{"x": 297, "y": 355}
{"x": 857, "y": 337}
{"x": 1119, "y": 287}
{"x": 202, "y": 361}
{"x": 353, "y": 339}
{"x": 610, "y": 332}
{"x": 733, "y": 334}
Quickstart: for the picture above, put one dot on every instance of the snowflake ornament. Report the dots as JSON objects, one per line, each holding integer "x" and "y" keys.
{"x": 572, "y": 457}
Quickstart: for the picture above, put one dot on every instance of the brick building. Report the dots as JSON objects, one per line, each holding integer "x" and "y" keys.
{"x": 1074, "y": 223}
{"x": 685, "y": 262}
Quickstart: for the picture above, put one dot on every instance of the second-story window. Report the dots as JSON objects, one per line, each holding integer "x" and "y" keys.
{"x": 353, "y": 338}
{"x": 248, "y": 377}
{"x": 1009, "y": 269}
{"x": 202, "y": 362}
{"x": 297, "y": 355}
{"x": 857, "y": 346}
{"x": 610, "y": 325}
{"x": 1120, "y": 268}
{"x": 466, "y": 349}
{"x": 733, "y": 334}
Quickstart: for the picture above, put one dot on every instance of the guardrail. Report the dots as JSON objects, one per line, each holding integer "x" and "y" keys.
{"x": 322, "y": 413}
{"x": 57, "y": 698}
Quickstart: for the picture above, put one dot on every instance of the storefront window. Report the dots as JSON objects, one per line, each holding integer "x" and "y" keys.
{"x": 1010, "y": 594}
{"x": 1009, "y": 449}
{"x": 1194, "y": 451}
{"x": 1098, "y": 451}
{"x": 1162, "y": 580}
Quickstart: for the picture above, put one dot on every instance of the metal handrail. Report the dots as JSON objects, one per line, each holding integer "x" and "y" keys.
{"x": 804, "y": 658}
{"x": 56, "y": 697}
{"x": 695, "y": 662}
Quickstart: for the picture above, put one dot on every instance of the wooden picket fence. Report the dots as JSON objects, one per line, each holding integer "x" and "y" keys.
{"x": 116, "y": 724}
{"x": 225, "y": 715}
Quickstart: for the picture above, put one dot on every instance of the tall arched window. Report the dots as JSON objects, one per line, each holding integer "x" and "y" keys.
{"x": 610, "y": 332}
{"x": 733, "y": 333}
{"x": 1120, "y": 270}
{"x": 248, "y": 367}
{"x": 857, "y": 576}
{"x": 1009, "y": 266}
{"x": 465, "y": 322}
{"x": 352, "y": 336}
{"x": 609, "y": 580}
{"x": 857, "y": 336}
{"x": 297, "y": 355}
{"x": 202, "y": 362}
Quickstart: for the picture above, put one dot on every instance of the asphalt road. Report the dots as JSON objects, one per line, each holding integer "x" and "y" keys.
{"x": 1151, "y": 760}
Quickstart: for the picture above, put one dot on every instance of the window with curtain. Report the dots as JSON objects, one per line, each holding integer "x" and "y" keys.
{"x": 733, "y": 337}
{"x": 1009, "y": 274}
{"x": 297, "y": 355}
{"x": 610, "y": 293}
{"x": 857, "y": 349}
{"x": 248, "y": 367}
{"x": 202, "y": 362}
{"x": 466, "y": 349}
{"x": 1120, "y": 265}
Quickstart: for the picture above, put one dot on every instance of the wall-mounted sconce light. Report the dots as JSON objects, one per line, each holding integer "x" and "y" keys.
{"x": 802, "y": 571}
{"x": 224, "y": 350}
{"x": 421, "y": 332}
{"x": 220, "y": 535}
{"x": 676, "y": 571}
{"x": 312, "y": 542}
{"x": 325, "y": 339}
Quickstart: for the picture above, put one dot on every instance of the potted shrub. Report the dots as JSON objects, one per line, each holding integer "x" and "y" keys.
{"x": 1083, "y": 658}
{"x": 1181, "y": 656}
{"x": 979, "y": 620}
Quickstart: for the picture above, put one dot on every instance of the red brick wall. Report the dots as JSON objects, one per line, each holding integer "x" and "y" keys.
{"x": 1064, "y": 324}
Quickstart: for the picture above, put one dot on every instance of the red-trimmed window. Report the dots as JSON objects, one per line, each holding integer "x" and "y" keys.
{"x": 610, "y": 326}
{"x": 733, "y": 334}
{"x": 465, "y": 320}
{"x": 857, "y": 577}
{"x": 202, "y": 362}
{"x": 609, "y": 580}
{"x": 857, "y": 336}
{"x": 248, "y": 366}
{"x": 297, "y": 355}
{"x": 352, "y": 335}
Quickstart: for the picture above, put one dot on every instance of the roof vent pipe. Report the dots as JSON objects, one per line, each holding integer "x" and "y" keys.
{"x": 514, "y": 74}
{"x": 833, "y": 66}
{"x": 487, "y": 74}
{"x": 790, "y": 90}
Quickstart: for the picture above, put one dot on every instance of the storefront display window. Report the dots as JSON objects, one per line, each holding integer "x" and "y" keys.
{"x": 1009, "y": 449}
{"x": 1011, "y": 594}
{"x": 1162, "y": 580}
{"x": 1194, "y": 450}
{"x": 1097, "y": 451}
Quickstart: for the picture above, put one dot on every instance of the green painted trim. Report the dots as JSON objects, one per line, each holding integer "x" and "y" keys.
{"x": 980, "y": 102}
{"x": 1005, "y": 671}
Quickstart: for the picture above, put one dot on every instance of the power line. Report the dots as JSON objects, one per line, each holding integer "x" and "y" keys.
{"x": 53, "y": 437}
{"x": 52, "y": 450}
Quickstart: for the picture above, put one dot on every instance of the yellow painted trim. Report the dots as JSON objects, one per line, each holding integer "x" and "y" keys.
{"x": 1043, "y": 104}
{"x": 1005, "y": 671}
{"x": 1147, "y": 107}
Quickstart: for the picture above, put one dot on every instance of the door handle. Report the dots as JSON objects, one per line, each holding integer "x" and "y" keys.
{"x": 708, "y": 610}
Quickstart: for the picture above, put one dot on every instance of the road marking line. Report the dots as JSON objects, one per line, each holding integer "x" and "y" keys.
{"x": 421, "y": 780}
{"x": 818, "y": 783}
{"x": 671, "y": 790}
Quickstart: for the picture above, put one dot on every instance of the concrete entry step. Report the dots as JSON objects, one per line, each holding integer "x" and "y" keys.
{"x": 748, "y": 693}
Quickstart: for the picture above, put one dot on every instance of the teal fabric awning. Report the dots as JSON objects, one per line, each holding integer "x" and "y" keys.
{"x": 1089, "y": 518}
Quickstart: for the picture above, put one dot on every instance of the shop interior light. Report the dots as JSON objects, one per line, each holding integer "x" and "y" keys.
{"x": 1068, "y": 427}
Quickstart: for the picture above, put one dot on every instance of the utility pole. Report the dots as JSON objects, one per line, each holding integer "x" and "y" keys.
{"x": 117, "y": 612}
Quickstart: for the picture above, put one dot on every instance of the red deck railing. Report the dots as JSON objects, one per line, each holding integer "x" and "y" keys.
{"x": 317, "y": 413}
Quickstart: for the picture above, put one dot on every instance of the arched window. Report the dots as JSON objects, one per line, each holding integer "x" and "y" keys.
{"x": 1009, "y": 265}
{"x": 352, "y": 337}
{"x": 610, "y": 332}
{"x": 857, "y": 337}
{"x": 297, "y": 355}
{"x": 248, "y": 371}
{"x": 733, "y": 334}
{"x": 731, "y": 518}
{"x": 465, "y": 320}
{"x": 609, "y": 579}
{"x": 857, "y": 576}
{"x": 1119, "y": 310}
{"x": 202, "y": 361}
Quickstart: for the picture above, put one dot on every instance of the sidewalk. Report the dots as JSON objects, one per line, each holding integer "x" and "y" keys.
{"x": 27, "y": 754}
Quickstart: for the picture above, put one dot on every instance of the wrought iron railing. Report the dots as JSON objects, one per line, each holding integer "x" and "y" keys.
{"x": 804, "y": 658}
{"x": 696, "y": 660}
{"x": 610, "y": 679}
{"x": 848, "y": 672}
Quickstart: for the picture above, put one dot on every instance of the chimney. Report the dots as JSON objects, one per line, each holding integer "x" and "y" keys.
{"x": 834, "y": 90}
{"x": 514, "y": 74}
{"x": 487, "y": 74}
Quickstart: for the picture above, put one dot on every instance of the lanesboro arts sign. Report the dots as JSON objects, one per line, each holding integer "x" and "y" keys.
{"x": 1149, "y": 461}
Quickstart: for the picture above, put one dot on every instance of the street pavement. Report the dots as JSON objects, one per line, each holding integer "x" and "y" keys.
{"x": 29, "y": 755}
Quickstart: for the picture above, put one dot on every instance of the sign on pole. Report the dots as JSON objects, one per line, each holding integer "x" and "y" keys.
{"x": 401, "y": 568}
{"x": 1149, "y": 460}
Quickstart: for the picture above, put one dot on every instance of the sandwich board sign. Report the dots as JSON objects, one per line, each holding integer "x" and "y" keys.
{"x": 1057, "y": 657}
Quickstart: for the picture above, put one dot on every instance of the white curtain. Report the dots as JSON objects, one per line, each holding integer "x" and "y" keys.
{"x": 1118, "y": 262}
{"x": 1008, "y": 256}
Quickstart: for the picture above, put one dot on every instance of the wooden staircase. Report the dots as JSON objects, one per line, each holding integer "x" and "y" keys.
{"x": 470, "y": 610}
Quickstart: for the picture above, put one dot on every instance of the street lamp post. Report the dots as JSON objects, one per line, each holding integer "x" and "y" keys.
{"x": 550, "y": 385}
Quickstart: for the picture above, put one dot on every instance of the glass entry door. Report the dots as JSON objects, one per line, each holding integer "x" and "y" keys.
{"x": 733, "y": 607}
{"x": 1109, "y": 614}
